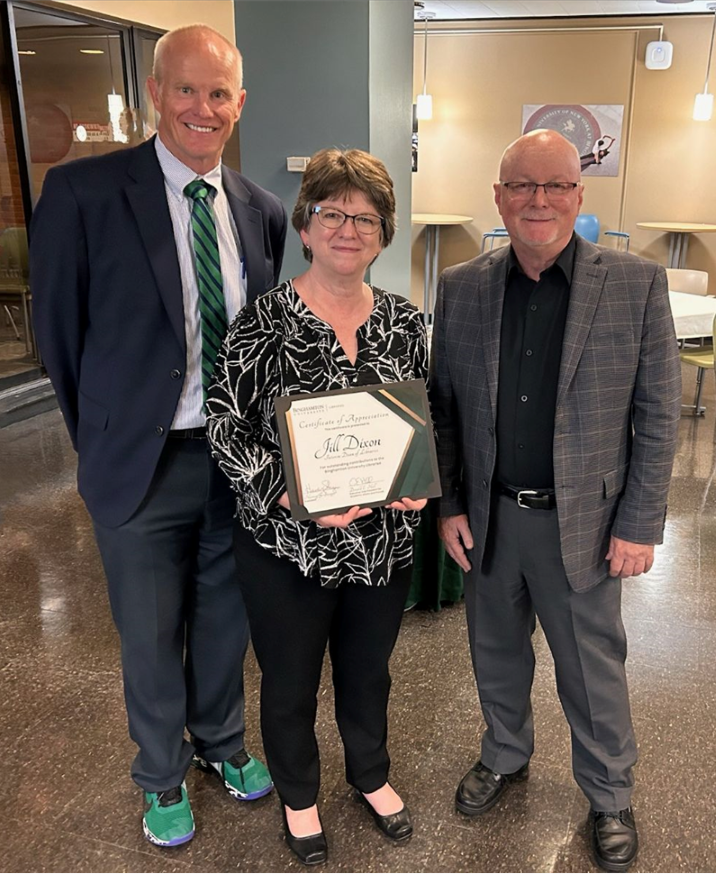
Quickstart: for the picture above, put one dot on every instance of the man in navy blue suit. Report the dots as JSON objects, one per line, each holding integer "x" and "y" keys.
{"x": 123, "y": 247}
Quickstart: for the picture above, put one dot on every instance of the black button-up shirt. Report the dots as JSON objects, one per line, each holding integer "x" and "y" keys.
{"x": 533, "y": 318}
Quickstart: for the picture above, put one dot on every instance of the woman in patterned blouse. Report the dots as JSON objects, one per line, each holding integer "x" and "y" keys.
{"x": 342, "y": 579}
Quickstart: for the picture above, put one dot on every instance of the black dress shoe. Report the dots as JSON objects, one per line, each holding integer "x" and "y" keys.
{"x": 480, "y": 789}
{"x": 614, "y": 839}
{"x": 311, "y": 850}
{"x": 397, "y": 827}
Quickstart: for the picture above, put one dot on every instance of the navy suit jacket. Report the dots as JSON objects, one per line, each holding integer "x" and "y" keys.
{"x": 109, "y": 314}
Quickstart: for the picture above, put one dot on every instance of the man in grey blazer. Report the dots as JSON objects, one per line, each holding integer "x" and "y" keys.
{"x": 556, "y": 396}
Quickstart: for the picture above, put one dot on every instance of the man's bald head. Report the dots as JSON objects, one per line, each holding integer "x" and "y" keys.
{"x": 542, "y": 142}
{"x": 187, "y": 38}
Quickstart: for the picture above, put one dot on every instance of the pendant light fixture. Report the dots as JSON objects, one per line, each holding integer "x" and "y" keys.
{"x": 424, "y": 101}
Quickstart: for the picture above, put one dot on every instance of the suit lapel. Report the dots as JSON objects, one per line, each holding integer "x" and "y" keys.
{"x": 587, "y": 283}
{"x": 148, "y": 201}
{"x": 491, "y": 280}
{"x": 250, "y": 228}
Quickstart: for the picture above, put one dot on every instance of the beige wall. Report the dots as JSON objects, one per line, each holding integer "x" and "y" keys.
{"x": 479, "y": 83}
{"x": 167, "y": 14}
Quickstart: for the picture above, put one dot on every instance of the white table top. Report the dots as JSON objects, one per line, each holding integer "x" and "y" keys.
{"x": 439, "y": 219}
{"x": 693, "y": 314}
{"x": 677, "y": 227}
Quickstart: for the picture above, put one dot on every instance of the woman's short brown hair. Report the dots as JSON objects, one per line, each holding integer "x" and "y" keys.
{"x": 333, "y": 173}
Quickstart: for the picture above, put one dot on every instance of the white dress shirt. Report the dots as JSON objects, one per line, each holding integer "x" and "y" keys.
{"x": 190, "y": 412}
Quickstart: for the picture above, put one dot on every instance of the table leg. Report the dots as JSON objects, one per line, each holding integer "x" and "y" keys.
{"x": 678, "y": 247}
{"x": 672, "y": 249}
{"x": 434, "y": 277}
{"x": 428, "y": 262}
{"x": 683, "y": 249}
{"x": 431, "y": 271}
{"x": 27, "y": 324}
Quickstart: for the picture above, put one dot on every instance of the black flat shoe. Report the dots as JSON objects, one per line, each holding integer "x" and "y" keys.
{"x": 397, "y": 827}
{"x": 614, "y": 839}
{"x": 311, "y": 850}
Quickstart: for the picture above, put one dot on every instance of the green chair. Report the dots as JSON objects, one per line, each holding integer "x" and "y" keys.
{"x": 14, "y": 289}
{"x": 13, "y": 250}
{"x": 701, "y": 357}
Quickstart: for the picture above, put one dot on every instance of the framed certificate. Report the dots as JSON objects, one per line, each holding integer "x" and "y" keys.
{"x": 366, "y": 446}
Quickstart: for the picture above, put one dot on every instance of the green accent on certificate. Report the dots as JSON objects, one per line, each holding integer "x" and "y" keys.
{"x": 365, "y": 446}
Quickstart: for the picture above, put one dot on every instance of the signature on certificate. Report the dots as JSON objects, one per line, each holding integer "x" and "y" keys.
{"x": 320, "y": 490}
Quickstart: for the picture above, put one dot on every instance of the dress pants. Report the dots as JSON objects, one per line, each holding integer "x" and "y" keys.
{"x": 180, "y": 616}
{"x": 523, "y": 574}
{"x": 292, "y": 618}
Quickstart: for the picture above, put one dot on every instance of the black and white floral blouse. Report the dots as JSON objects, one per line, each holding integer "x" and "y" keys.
{"x": 277, "y": 346}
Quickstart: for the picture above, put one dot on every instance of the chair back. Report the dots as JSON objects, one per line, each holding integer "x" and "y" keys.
{"x": 587, "y": 226}
{"x": 691, "y": 282}
{"x": 13, "y": 252}
{"x": 620, "y": 237}
{"x": 498, "y": 233}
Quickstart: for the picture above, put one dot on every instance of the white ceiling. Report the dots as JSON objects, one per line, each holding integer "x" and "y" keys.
{"x": 455, "y": 9}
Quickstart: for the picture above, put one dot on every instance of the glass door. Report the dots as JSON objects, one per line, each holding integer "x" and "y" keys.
{"x": 144, "y": 43}
{"x": 74, "y": 89}
{"x": 17, "y": 353}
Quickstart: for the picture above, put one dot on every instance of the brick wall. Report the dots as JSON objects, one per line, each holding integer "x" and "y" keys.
{"x": 11, "y": 211}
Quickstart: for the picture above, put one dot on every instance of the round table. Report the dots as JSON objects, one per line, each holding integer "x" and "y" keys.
{"x": 433, "y": 222}
{"x": 679, "y": 242}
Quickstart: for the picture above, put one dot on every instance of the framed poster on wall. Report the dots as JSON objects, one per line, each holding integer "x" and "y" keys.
{"x": 595, "y": 129}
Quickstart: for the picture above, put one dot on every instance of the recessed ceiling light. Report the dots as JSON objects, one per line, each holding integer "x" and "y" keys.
{"x": 92, "y": 51}
{"x": 26, "y": 52}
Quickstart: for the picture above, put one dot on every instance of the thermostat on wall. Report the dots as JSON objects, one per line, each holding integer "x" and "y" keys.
{"x": 297, "y": 165}
{"x": 659, "y": 54}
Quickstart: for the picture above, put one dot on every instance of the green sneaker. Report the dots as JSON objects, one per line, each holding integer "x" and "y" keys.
{"x": 168, "y": 820}
{"x": 244, "y": 777}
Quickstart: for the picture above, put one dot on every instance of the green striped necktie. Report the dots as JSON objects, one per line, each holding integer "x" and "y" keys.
{"x": 212, "y": 305}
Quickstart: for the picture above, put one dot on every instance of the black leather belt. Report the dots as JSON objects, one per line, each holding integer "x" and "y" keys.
{"x": 196, "y": 434}
{"x": 534, "y": 499}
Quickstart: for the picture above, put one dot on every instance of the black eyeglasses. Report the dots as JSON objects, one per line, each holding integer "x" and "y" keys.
{"x": 364, "y": 223}
{"x": 553, "y": 190}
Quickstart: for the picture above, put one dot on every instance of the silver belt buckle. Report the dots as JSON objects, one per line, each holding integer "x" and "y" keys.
{"x": 525, "y": 492}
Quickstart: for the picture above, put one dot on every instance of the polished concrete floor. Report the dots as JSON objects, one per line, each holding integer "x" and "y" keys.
{"x": 69, "y": 805}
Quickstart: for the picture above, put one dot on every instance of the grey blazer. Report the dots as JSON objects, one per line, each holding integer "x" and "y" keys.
{"x": 618, "y": 401}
